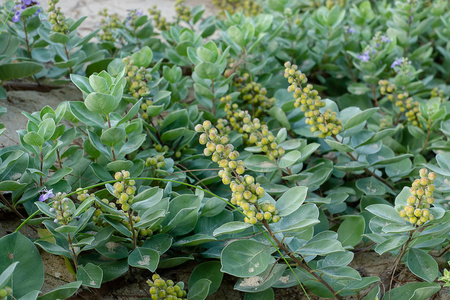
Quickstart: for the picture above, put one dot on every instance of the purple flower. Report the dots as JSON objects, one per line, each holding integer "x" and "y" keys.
{"x": 46, "y": 195}
{"x": 20, "y": 6}
{"x": 397, "y": 62}
{"x": 364, "y": 56}
{"x": 351, "y": 30}
{"x": 385, "y": 39}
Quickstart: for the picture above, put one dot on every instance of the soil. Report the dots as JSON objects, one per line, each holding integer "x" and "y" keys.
{"x": 133, "y": 286}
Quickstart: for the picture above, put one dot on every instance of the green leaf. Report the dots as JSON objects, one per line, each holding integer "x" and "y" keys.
{"x": 260, "y": 164}
{"x": 264, "y": 295}
{"x": 58, "y": 175}
{"x": 142, "y": 58}
{"x": 101, "y": 103}
{"x": 320, "y": 247}
{"x": 380, "y": 135}
{"x": 208, "y": 270}
{"x": 160, "y": 243}
{"x": 422, "y": 264}
{"x": 200, "y": 290}
{"x": 278, "y": 114}
{"x": 131, "y": 113}
{"x": 89, "y": 118}
{"x": 358, "y": 88}
{"x": 231, "y": 227}
{"x": 391, "y": 244}
{"x": 7, "y": 274}
{"x": 28, "y": 275}
{"x": 371, "y": 186}
{"x": 261, "y": 281}
{"x": 351, "y": 230}
{"x": 194, "y": 240}
{"x": 207, "y": 70}
{"x": 113, "y": 136}
{"x": 236, "y": 35}
{"x": 144, "y": 258}
{"x": 19, "y": 70}
{"x": 414, "y": 291}
{"x": 58, "y": 37}
{"x": 341, "y": 272}
{"x": 213, "y": 207}
{"x": 91, "y": 275}
{"x": 34, "y": 139}
{"x": 62, "y": 292}
{"x": 10, "y": 185}
{"x": 359, "y": 118}
{"x": 385, "y": 212}
{"x": 245, "y": 258}
{"x": 289, "y": 159}
{"x": 338, "y": 146}
{"x": 99, "y": 84}
{"x": 291, "y": 200}
{"x": 46, "y": 129}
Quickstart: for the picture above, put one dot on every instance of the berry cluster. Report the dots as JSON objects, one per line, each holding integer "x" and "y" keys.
{"x": 162, "y": 149}
{"x": 57, "y": 18}
{"x": 309, "y": 101}
{"x": 245, "y": 191}
{"x": 332, "y": 3}
{"x": 5, "y": 292}
{"x": 249, "y": 7}
{"x": 144, "y": 107}
{"x": 436, "y": 92}
{"x": 137, "y": 78}
{"x": 417, "y": 209}
{"x": 156, "y": 162}
{"x": 254, "y": 133}
{"x": 159, "y": 22}
{"x": 61, "y": 207}
{"x": 402, "y": 100}
{"x": 255, "y": 95}
{"x": 165, "y": 289}
{"x": 124, "y": 190}
{"x": 109, "y": 23}
{"x": 183, "y": 11}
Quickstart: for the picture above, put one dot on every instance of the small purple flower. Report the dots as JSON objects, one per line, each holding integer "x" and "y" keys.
{"x": 20, "y": 6}
{"x": 46, "y": 195}
{"x": 397, "y": 62}
{"x": 351, "y": 30}
{"x": 364, "y": 56}
{"x": 385, "y": 39}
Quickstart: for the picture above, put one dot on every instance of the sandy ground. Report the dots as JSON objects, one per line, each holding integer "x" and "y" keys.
{"x": 90, "y": 8}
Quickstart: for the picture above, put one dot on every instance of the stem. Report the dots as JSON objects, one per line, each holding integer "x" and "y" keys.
{"x": 214, "y": 98}
{"x": 350, "y": 68}
{"x": 75, "y": 257}
{"x": 374, "y": 93}
{"x": 298, "y": 262}
{"x": 112, "y": 148}
{"x": 398, "y": 259}
{"x": 26, "y": 39}
{"x": 59, "y": 158}
{"x": 130, "y": 218}
{"x": 68, "y": 57}
{"x": 428, "y": 137}
{"x": 41, "y": 158}
{"x": 12, "y": 208}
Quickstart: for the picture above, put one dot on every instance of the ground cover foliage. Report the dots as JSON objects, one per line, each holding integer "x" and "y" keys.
{"x": 271, "y": 143}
